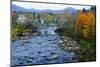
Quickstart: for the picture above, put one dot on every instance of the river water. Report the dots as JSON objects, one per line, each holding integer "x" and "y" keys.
{"x": 40, "y": 49}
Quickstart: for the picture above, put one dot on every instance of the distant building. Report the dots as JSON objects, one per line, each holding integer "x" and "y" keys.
{"x": 24, "y": 18}
{"x": 21, "y": 18}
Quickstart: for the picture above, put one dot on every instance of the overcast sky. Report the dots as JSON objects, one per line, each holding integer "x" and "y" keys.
{"x": 42, "y": 6}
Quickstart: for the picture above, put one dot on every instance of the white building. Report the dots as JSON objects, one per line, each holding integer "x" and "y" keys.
{"x": 22, "y": 18}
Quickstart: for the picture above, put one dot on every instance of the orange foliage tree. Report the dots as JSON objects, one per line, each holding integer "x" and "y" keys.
{"x": 85, "y": 23}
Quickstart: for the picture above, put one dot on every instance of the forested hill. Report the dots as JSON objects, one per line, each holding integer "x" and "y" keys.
{"x": 21, "y": 9}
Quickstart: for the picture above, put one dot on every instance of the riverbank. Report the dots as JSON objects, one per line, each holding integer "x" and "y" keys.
{"x": 86, "y": 47}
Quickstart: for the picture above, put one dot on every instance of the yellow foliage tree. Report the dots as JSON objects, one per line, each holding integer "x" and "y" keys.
{"x": 85, "y": 22}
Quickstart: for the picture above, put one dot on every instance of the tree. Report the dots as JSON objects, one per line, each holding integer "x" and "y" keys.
{"x": 85, "y": 22}
{"x": 93, "y": 9}
{"x": 84, "y": 10}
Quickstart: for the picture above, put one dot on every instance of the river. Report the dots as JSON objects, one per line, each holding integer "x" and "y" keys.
{"x": 40, "y": 49}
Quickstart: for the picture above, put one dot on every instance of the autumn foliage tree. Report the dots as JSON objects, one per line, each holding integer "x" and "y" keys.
{"x": 85, "y": 23}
